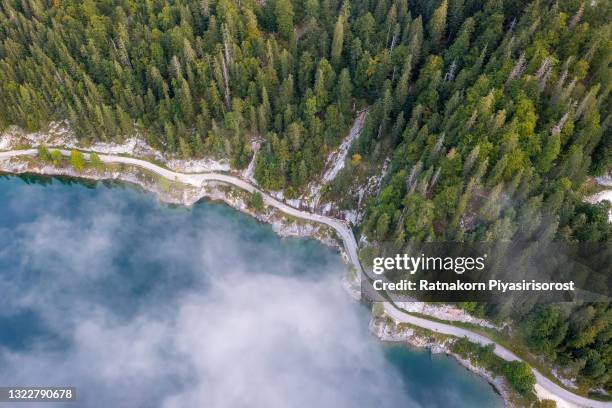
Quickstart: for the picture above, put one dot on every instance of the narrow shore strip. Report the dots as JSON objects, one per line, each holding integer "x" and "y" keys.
{"x": 350, "y": 247}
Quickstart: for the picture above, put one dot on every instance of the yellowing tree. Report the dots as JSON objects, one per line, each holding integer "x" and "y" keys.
{"x": 77, "y": 160}
{"x": 437, "y": 24}
{"x": 336, "y": 51}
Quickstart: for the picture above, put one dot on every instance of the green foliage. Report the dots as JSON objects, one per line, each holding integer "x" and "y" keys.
{"x": 502, "y": 118}
{"x": 336, "y": 50}
{"x": 545, "y": 328}
{"x": 256, "y": 201}
{"x": 482, "y": 356}
{"x": 283, "y": 12}
{"x": 419, "y": 215}
{"x": 95, "y": 161}
{"x": 545, "y": 404}
{"x": 520, "y": 376}
{"x": 473, "y": 308}
{"x": 56, "y": 158}
{"x": 192, "y": 80}
{"x": 43, "y": 153}
{"x": 492, "y": 113}
{"x": 77, "y": 160}
{"x": 518, "y": 373}
{"x": 437, "y": 24}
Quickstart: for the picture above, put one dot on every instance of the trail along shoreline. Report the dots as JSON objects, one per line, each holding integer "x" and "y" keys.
{"x": 545, "y": 387}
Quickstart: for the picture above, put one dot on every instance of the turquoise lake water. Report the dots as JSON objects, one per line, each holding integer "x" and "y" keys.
{"x": 138, "y": 304}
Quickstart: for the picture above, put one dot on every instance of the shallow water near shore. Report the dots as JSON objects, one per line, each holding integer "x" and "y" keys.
{"x": 136, "y": 303}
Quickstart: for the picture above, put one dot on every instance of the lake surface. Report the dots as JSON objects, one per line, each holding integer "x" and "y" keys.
{"x": 137, "y": 304}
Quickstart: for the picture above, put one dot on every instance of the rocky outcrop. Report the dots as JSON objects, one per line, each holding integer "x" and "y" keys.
{"x": 387, "y": 330}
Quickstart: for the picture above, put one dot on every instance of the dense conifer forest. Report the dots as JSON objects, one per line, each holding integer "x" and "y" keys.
{"x": 490, "y": 113}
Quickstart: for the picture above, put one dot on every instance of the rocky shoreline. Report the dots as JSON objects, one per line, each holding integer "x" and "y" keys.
{"x": 387, "y": 330}
{"x": 178, "y": 193}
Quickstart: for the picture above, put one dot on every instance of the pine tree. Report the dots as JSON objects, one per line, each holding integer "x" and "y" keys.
{"x": 56, "y": 158}
{"x": 336, "y": 51}
{"x": 77, "y": 160}
{"x": 403, "y": 84}
{"x": 455, "y": 16}
{"x": 95, "y": 160}
{"x": 283, "y": 12}
{"x": 437, "y": 24}
{"x": 344, "y": 92}
{"x": 416, "y": 40}
{"x": 43, "y": 153}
